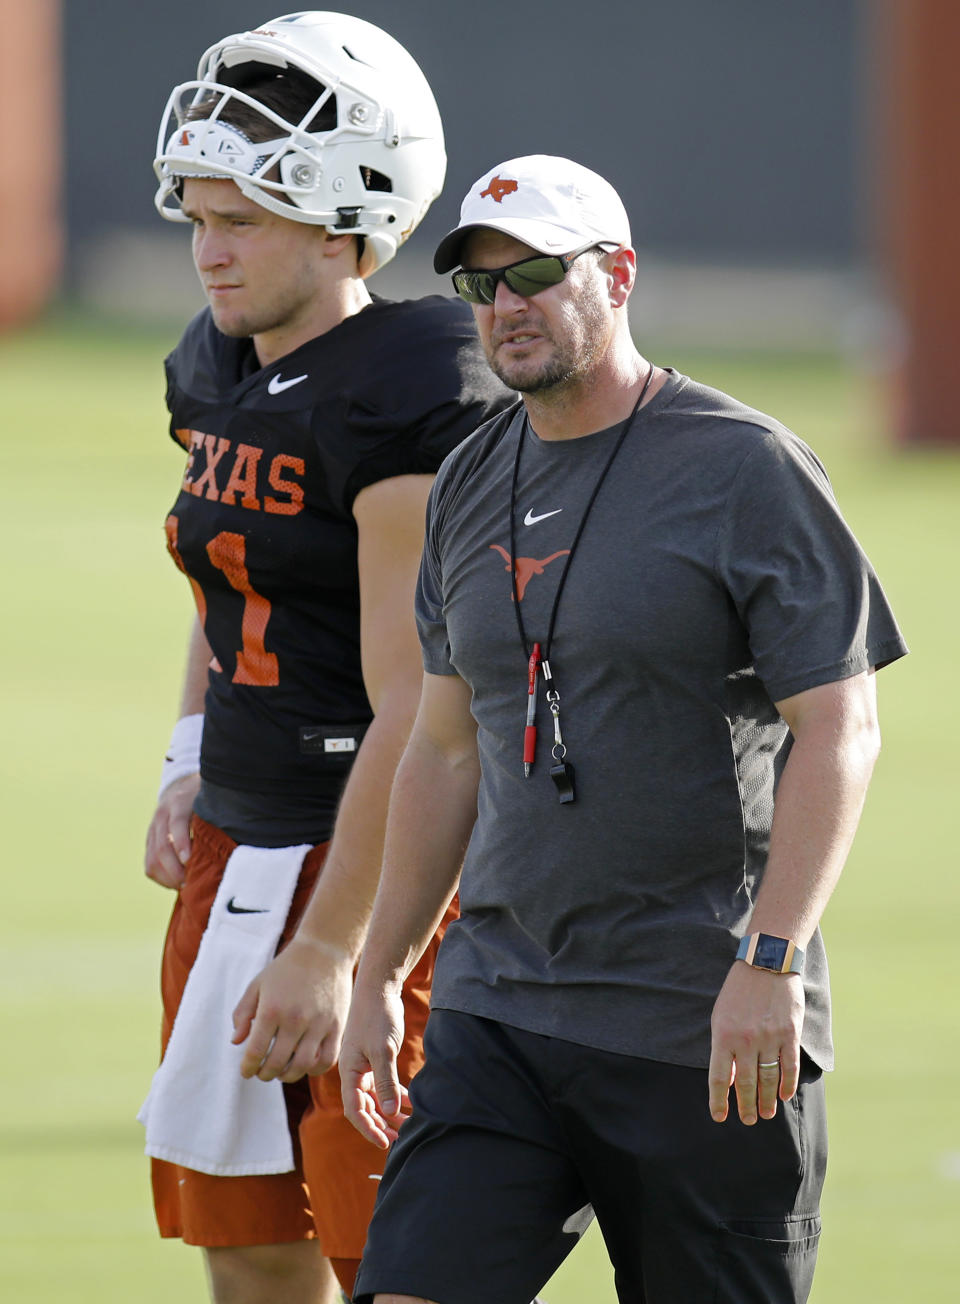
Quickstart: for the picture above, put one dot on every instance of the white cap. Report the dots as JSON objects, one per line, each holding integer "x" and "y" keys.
{"x": 551, "y": 204}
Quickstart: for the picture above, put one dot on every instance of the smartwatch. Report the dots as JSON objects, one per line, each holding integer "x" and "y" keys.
{"x": 778, "y": 954}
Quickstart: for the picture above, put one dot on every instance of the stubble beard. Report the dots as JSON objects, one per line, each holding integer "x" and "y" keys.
{"x": 550, "y": 375}
{"x": 528, "y": 377}
{"x": 572, "y": 358}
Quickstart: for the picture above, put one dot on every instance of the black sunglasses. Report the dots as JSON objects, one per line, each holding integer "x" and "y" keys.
{"x": 526, "y": 278}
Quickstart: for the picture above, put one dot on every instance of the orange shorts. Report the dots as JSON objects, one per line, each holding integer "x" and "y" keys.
{"x": 330, "y": 1194}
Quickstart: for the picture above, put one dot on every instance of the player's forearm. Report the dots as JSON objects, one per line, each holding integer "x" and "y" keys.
{"x": 339, "y": 910}
{"x": 433, "y": 808}
{"x": 818, "y": 806}
{"x": 196, "y": 673}
{"x": 182, "y": 759}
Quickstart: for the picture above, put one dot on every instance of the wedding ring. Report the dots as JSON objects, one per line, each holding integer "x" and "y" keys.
{"x": 774, "y": 1064}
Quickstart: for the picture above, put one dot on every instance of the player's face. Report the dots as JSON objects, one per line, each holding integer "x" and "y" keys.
{"x": 262, "y": 273}
{"x": 549, "y": 339}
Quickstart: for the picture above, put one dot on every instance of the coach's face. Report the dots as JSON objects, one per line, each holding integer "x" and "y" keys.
{"x": 551, "y": 338}
{"x": 261, "y": 272}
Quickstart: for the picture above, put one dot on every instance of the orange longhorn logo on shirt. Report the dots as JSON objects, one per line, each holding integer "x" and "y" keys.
{"x": 526, "y": 567}
{"x": 498, "y": 188}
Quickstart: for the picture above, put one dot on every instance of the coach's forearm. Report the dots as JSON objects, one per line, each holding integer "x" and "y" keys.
{"x": 758, "y": 1016}
{"x": 818, "y": 806}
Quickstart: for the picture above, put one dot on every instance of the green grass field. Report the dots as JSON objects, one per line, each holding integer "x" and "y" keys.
{"x": 95, "y": 619}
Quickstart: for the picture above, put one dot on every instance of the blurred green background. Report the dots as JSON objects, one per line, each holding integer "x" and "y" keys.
{"x": 95, "y": 619}
{"x": 784, "y": 167}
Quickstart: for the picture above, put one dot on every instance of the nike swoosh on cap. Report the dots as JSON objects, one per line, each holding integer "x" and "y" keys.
{"x": 277, "y": 386}
{"x": 530, "y": 519}
{"x": 234, "y": 909}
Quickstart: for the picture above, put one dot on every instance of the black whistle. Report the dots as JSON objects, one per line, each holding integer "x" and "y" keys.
{"x": 562, "y": 775}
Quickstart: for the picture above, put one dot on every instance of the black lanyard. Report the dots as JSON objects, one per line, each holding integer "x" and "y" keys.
{"x": 562, "y": 771}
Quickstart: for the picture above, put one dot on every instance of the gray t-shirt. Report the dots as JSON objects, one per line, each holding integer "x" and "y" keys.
{"x": 714, "y": 576}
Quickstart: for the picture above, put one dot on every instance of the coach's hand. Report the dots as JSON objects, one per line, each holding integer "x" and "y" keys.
{"x": 292, "y": 1015}
{"x": 755, "y": 1047}
{"x": 168, "y": 837}
{"x": 373, "y": 1097}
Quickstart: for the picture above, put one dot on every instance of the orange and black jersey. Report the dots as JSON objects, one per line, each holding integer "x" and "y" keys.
{"x": 263, "y": 528}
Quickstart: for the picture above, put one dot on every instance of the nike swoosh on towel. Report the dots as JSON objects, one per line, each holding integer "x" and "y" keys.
{"x": 243, "y": 910}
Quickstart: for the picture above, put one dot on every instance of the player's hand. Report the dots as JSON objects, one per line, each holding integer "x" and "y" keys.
{"x": 373, "y": 1099}
{"x": 168, "y": 837}
{"x": 756, "y": 1021}
{"x": 292, "y": 1014}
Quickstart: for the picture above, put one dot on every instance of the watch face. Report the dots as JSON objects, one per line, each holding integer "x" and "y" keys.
{"x": 770, "y": 952}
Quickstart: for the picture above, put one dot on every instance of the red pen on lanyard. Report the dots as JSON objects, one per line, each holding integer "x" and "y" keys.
{"x": 530, "y": 732}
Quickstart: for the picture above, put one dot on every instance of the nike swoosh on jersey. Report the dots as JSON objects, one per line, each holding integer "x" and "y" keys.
{"x": 243, "y": 910}
{"x": 530, "y": 519}
{"x": 277, "y": 386}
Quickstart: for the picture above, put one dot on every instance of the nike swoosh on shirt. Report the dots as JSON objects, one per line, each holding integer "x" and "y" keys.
{"x": 277, "y": 386}
{"x": 244, "y": 910}
{"x": 530, "y": 519}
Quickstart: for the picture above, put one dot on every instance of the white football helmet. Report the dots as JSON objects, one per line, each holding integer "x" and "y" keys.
{"x": 375, "y": 168}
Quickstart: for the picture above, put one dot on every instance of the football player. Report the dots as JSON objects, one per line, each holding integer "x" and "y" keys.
{"x": 313, "y": 415}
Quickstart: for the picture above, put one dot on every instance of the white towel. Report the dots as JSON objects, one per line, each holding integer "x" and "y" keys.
{"x": 200, "y": 1112}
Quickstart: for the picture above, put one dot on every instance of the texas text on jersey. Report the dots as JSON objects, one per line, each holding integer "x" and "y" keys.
{"x": 264, "y": 530}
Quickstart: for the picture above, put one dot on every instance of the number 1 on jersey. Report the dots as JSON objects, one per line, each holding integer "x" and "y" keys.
{"x": 228, "y": 553}
{"x": 255, "y": 665}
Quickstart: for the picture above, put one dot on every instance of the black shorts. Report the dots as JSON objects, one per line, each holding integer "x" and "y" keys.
{"x": 513, "y": 1135}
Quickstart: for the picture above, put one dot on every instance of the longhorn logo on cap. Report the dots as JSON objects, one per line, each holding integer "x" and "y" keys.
{"x": 497, "y": 188}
